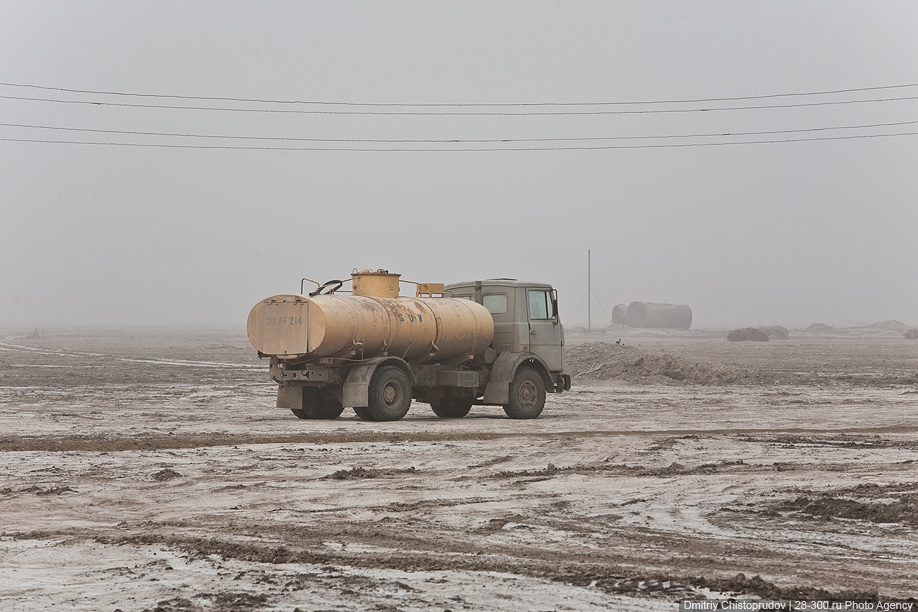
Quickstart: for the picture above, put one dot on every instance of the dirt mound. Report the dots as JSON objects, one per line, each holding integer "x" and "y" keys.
{"x": 166, "y": 474}
{"x": 891, "y": 325}
{"x": 866, "y": 502}
{"x": 775, "y": 332}
{"x": 828, "y": 507}
{"x": 757, "y": 585}
{"x": 601, "y": 361}
{"x": 819, "y": 328}
{"x": 224, "y": 602}
{"x": 362, "y": 472}
{"x": 747, "y": 334}
{"x": 911, "y": 334}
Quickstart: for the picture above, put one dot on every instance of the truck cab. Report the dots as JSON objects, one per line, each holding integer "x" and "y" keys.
{"x": 527, "y": 331}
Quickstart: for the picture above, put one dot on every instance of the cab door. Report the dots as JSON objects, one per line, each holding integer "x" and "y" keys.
{"x": 546, "y": 336}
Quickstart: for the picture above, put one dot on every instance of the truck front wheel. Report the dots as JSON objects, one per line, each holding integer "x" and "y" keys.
{"x": 527, "y": 395}
{"x": 389, "y": 394}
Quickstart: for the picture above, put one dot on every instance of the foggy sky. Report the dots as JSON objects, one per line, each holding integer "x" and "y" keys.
{"x": 753, "y": 234}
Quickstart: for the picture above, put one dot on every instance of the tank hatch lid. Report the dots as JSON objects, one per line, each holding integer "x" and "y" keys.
{"x": 375, "y": 283}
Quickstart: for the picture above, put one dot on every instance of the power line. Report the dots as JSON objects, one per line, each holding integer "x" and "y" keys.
{"x": 458, "y": 140}
{"x": 579, "y": 304}
{"x": 608, "y": 316}
{"x": 461, "y": 150}
{"x": 457, "y": 113}
{"x": 460, "y": 104}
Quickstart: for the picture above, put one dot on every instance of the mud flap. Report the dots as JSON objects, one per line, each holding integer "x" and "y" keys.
{"x": 290, "y": 397}
{"x": 497, "y": 392}
{"x": 498, "y": 389}
{"x": 355, "y": 393}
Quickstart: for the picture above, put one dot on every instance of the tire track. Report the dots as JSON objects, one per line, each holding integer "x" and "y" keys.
{"x": 207, "y": 440}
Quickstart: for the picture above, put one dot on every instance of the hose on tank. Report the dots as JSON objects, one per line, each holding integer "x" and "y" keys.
{"x": 337, "y": 285}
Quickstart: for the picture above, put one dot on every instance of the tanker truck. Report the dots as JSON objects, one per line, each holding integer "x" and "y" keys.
{"x": 491, "y": 342}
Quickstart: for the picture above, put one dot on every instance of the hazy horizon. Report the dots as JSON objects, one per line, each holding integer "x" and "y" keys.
{"x": 817, "y": 227}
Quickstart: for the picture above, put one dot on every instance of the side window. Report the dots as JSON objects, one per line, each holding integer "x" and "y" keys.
{"x": 496, "y": 303}
{"x": 539, "y": 305}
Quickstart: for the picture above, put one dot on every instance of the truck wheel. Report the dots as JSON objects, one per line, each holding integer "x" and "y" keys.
{"x": 362, "y": 413}
{"x": 320, "y": 404}
{"x": 451, "y": 407}
{"x": 527, "y": 395}
{"x": 389, "y": 394}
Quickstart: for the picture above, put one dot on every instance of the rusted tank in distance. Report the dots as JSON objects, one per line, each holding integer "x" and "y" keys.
{"x": 662, "y": 316}
{"x": 618, "y": 314}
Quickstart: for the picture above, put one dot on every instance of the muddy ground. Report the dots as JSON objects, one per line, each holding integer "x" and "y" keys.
{"x": 149, "y": 470}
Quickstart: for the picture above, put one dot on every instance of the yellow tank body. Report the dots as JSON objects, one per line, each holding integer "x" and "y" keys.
{"x": 433, "y": 330}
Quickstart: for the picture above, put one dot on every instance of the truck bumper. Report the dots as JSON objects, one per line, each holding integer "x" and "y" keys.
{"x": 562, "y": 383}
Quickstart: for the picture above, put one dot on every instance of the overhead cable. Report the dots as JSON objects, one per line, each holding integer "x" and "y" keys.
{"x": 457, "y": 104}
{"x": 460, "y": 150}
{"x": 457, "y": 113}
{"x": 458, "y": 140}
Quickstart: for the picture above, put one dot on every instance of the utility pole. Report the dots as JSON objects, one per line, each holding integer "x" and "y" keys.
{"x": 589, "y": 295}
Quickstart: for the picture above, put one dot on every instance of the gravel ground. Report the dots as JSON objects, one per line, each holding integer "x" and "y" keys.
{"x": 149, "y": 470}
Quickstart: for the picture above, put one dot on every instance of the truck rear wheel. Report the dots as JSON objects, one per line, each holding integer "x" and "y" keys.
{"x": 321, "y": 403}
{"x": 450, "y": 407}
{"x": 389, "y": 394}
{"x": 527, "y": 395}
{"x": 318, "y": 404}
{"x": 362, "y": 413}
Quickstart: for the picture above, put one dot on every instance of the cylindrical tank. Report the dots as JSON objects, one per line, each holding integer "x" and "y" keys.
{"x": 648, "y": 314}
{"x": 354, "y": 326}
{"x": 618, "y": 314}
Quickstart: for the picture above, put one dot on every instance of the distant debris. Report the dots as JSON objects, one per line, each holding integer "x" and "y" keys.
{"x": 747, "y": 334}
{"x": 881, "y": 328}
{"x": 775, "y": 332}
{"x": 911, "y": 334}
{"x": 891, "y": 325}
{"x": 651, "y": 315}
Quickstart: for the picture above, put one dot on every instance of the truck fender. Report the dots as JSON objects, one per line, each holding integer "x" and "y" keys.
{"x": 504, "y": 369}
{"x": 355, "y": 393}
